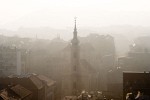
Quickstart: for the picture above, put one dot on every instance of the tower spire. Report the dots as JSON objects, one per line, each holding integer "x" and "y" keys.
{"x": 75, "y": 61}
{"x": 75, "y": 30}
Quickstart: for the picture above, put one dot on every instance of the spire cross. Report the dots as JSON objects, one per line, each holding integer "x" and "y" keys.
{"x": 75, "y": 29}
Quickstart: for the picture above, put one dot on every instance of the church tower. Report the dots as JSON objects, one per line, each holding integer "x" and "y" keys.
{"x": 75, "y": 56}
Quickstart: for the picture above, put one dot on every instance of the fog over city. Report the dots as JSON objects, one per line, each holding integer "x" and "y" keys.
{"x": 74, "y": 49}
{"x": 94, "y": 16}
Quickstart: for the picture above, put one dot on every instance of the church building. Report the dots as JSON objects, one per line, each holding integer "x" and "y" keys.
{"x": 78, "y": 77}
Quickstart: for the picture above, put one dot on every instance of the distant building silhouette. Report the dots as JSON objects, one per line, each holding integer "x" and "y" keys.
{"x": 12, "y": 61}
{"x": 75, "y": 64}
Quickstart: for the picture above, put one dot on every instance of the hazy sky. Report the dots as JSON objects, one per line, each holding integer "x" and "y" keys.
{"x": 60, "y": 13}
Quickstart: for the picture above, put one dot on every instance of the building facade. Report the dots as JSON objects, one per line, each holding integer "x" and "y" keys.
{"x": 12, "y": 61}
